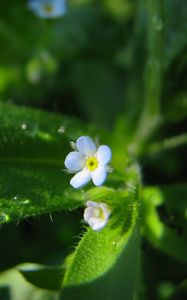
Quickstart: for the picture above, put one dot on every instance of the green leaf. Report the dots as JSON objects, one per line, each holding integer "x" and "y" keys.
{"x": 175, "y": 197}
{"x": 14, "y": 287}
{"x": 44, "y": 277}
{"x": 167, "y": 231}
{"x": 107, "y": 259}
{"x": 33, "y": 146}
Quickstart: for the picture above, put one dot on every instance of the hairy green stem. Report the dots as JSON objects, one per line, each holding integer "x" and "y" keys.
{"x": 169, "y": 143}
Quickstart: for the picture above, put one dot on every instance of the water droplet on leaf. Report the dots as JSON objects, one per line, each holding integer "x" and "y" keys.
{"x": 61, "y": 129}
{"x": 45, "y": 136}
{"x": 24, "y": 126}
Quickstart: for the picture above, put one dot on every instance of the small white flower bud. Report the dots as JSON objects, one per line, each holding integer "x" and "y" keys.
{"x": 96, "y": 214}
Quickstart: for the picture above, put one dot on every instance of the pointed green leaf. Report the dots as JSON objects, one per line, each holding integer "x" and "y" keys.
{"x": 102, "y": 258}
{"x": 120, "y": 280}
{"x": 167, "y": 231}
{"x": 33, "y": 146}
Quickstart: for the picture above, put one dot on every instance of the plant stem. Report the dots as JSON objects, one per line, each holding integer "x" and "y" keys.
{"x": 150, "y": 117}
{"x": 167, "y": 144}
{"x": 153, "y": 73}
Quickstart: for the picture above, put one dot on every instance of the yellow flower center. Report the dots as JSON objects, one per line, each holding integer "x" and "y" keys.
{"x": 98, "y": 213}
{"x": 48, "y": 8}
{"x": 92, "y": 163}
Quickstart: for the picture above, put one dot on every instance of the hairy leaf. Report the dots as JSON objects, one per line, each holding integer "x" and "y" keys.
{"x": 33, "y": 146}
{"x": 101, "y": 258}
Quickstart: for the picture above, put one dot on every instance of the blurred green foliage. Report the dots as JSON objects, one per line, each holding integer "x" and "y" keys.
{"x": 118, "y": 70}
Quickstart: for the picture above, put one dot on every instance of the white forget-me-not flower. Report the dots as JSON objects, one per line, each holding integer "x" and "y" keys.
{"x": 88, "y": 162}
{"x": 48, "y": 8}
{"x": 96, "y": 214}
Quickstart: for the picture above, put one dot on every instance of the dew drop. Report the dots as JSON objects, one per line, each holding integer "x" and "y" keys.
{"x": 24, "y": 126}
{"x": 45, "y": 136}
{"x": 157, "y": 23}
{"x": 61, "y": 129}
{"x": 115, "y": 244}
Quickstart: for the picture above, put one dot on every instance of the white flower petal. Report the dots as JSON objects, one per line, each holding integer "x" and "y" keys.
{"x": 92, "y": 203}
{"x": 74, "y": 161}
{"x": 96, "y": 214}
{"x": 92, "y": 210}
{"x": 88, "y": 213}
{"x": 80, "y": 179}
{"x": 104, "y": 154}
{"x": 86, "y": 146}
{"x": 97, "y": 223}
{"x": 99, "y": 175}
